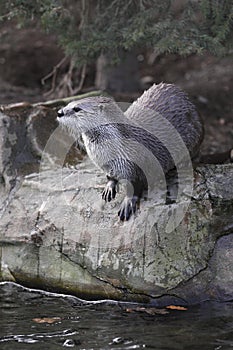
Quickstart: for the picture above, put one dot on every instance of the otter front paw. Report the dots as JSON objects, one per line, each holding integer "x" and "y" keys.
{"x": 128, "y": 207}
{"x": 109, "y": 192}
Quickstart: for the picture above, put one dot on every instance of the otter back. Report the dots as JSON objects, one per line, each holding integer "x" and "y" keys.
{"x": 169, "y": 102}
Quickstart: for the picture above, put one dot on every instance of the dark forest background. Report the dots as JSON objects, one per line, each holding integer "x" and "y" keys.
{"x": 53, "y": 49}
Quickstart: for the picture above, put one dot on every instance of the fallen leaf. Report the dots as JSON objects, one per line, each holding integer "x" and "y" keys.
{"x": 46, "y": 320}
{"x": 174, "y": 307}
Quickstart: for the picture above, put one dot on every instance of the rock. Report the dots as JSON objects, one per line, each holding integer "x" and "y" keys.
{"x": 56, "y": 233}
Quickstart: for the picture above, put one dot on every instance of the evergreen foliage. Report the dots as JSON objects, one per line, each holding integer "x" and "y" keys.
{"x": 87, "y": 28}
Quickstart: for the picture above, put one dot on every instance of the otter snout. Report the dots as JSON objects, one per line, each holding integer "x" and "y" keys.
{"x": 60, "y": 113}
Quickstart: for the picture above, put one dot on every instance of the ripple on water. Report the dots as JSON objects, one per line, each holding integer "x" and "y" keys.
{"x": 54, "y": 321}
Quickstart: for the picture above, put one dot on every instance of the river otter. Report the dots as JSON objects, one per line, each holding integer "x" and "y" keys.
{"x": 119, "y": 143}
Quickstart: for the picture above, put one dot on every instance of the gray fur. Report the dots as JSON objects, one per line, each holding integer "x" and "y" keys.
{"x": 173, "y": 104}
{"x": 124, "y": 144}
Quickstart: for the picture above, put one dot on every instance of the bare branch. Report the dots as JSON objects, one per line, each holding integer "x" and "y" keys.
{"x": 54, "y": 71}
{"x": 82, "y": 79}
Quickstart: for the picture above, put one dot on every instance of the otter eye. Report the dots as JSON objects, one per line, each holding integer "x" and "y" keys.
{"x": 76, "y": 109}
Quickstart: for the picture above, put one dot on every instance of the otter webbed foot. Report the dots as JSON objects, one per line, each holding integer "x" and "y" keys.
{"x": 109, "y": 192}
{"x": 128, "y": 207}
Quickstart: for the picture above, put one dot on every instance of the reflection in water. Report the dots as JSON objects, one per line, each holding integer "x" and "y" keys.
{"x": 32, "y": 319}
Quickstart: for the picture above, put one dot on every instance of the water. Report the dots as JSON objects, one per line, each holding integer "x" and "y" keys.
{"x": 104, "y": 325}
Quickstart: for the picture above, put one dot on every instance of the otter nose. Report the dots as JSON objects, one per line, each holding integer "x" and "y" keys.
{"x": 60, "y": 113}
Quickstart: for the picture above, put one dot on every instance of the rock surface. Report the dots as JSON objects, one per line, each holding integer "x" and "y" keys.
{"x": 56, "y": 233}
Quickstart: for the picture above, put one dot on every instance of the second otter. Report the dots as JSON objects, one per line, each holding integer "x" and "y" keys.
{"x": 157, "y": 126}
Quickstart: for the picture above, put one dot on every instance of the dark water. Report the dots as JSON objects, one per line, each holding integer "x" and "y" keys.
{"x": 103, "y": 325}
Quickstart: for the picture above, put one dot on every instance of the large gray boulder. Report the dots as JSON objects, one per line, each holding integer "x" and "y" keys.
{"x": 56, "y": 233}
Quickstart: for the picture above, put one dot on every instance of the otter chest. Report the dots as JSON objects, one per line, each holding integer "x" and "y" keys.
{"x": 96, "y": 150}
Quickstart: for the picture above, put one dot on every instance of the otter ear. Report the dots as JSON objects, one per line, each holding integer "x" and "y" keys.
{"x": 101, "y": 107}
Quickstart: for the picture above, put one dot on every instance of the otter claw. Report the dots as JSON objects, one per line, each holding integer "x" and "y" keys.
{"x": 128, "y": 207}
{"x": 109, "y": 192}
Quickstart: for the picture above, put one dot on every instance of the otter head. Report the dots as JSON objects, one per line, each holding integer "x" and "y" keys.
{"x": 88, "y": 113}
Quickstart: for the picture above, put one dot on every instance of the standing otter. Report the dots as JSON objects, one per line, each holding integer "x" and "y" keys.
{"x": 119, "y": 142}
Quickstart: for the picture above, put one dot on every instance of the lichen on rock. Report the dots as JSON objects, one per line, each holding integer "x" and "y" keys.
{"x": 56, "y": 232}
